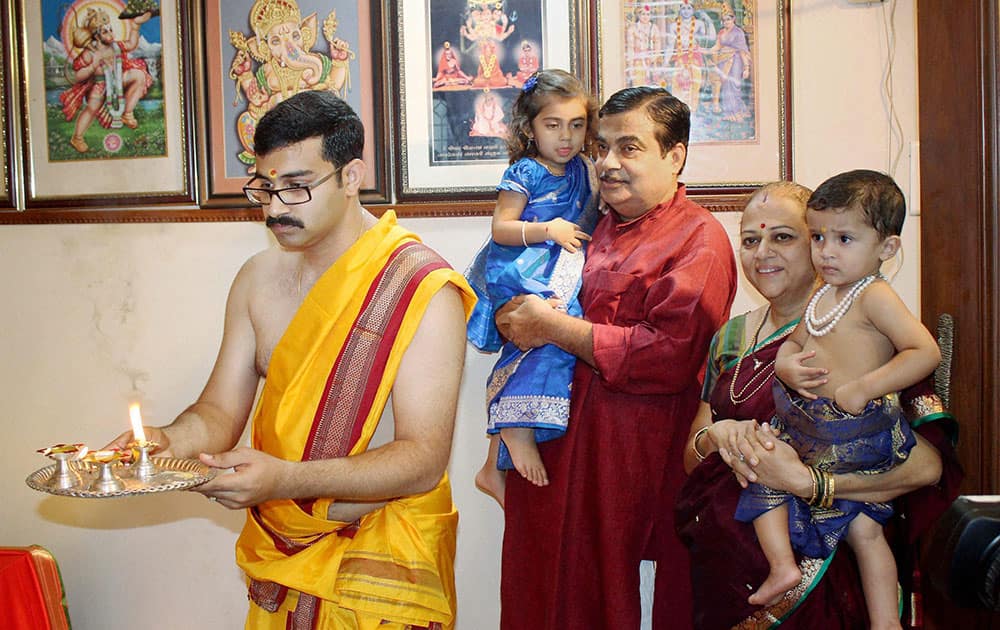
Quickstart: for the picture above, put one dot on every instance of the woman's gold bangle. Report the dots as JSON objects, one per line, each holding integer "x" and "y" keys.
{"x": 830, "y": 489}
{"x": 694, "y": 443}
{"x": 814, "y": 475}
{"x": 823, "y": 488}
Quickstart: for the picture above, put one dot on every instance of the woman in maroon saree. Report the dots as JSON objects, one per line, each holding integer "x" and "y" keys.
{"x": 730, "y": 435}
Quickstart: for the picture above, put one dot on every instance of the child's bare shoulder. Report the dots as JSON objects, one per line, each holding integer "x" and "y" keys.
{"x": 880, "y": 294}
{"x": 884, "y": 309}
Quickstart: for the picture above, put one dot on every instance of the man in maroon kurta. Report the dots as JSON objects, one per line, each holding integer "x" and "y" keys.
{"x": 659, "y": 280}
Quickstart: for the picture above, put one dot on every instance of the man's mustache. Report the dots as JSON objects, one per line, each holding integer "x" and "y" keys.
{"x": 612, "y": 179}
{"x": 285, "y": 219}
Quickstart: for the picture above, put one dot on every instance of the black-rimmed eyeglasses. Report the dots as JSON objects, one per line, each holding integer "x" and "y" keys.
{"x": 291, "y": 196}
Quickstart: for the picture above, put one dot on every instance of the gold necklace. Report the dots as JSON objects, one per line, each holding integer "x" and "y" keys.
{"x": 742, "y": 396}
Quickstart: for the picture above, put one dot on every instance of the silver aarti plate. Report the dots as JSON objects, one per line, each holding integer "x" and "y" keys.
{"x": 79, "y": 481}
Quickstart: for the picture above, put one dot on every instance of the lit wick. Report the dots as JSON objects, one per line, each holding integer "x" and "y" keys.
{"x": 144, "y": 466}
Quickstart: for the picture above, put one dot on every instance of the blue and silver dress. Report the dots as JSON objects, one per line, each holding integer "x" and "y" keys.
{"x": 531, "y": 389}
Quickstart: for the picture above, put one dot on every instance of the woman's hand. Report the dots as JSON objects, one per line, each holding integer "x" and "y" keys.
{"x": 741, "y": 444}
{"x": 735, "y": 441}
{"x": 780, "y": 467}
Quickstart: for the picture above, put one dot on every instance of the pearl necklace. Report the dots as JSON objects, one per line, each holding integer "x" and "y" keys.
{"x": 738, "y": 398}
{"x": 819, "y": 326}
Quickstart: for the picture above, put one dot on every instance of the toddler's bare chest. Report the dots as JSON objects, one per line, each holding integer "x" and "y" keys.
{"x": 852, "y": 348}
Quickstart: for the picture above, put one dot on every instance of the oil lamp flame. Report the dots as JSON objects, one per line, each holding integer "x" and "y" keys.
{"x": 137, "y": 433}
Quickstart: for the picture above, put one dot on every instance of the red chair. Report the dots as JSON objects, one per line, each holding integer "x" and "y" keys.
{"x": 31, "y": 591}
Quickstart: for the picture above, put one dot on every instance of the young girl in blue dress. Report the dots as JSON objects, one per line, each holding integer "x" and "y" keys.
{"x": 541, "y": 223}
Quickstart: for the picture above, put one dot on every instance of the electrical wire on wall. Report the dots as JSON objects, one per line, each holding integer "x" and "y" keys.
{"x": 895, "y": 140}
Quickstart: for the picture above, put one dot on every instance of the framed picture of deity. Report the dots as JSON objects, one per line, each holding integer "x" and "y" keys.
{"x": 256, "y": 53}
{"x": 104, "y": 113}
{"x": 728, "y": 60}
{"x": 461, "y": 65}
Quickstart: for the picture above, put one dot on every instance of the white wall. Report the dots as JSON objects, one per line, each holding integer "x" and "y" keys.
{"x": 96, "y": 315}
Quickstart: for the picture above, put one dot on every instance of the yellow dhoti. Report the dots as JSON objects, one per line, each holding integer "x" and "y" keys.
{"x": 327, "y": 385}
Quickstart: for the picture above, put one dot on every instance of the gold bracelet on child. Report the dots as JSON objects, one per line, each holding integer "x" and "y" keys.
{"x": 524, "y": 240}
{"x": 694, "y": 443}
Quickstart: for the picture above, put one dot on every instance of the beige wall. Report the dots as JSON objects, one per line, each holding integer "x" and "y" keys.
{"x": 96, "y": 315}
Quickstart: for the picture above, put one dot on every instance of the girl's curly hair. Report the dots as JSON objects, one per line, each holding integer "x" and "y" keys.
{"x": 535, "y": 95}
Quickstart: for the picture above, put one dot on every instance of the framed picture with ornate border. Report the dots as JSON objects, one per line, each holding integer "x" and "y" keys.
{"x": 255, "y": 53}
{"x": 729, "y": 61}
{"x": 104, "y": 111}
{"x": 461, "y": 65}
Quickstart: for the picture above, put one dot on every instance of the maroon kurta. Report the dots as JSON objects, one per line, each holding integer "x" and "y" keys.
{"x": 655, "y": 288}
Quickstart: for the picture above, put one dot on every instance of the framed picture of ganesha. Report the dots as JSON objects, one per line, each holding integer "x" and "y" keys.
{"x": 259, "y": 52}
{"x": 462, "y": 64}
{"x": 728, "y": 60}
{"x": 104, "y": 116}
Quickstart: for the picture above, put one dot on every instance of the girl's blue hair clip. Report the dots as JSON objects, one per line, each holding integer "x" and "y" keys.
{"x": 530, "y": 84}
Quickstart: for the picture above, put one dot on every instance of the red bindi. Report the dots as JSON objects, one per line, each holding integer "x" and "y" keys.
{"x": 762, "y": 226}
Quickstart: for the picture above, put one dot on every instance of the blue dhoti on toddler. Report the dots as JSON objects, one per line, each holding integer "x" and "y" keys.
{"x": 832, "y": 440}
